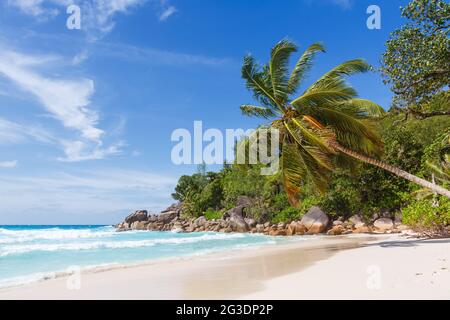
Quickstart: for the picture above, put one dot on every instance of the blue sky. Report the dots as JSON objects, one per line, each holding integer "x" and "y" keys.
{"x": 86, "y": 115}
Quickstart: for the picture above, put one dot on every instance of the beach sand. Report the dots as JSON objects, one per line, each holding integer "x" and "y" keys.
{"x": 347, "y": 267}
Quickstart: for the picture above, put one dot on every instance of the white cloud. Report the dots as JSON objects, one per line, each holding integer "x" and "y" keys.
{"x": 81, "y": 151}
{"x": 65, "y": 99}
{"x": 345, "y": 4}
{"x": 34, "y": 8}
{"x": 13, "y": 133}
{"x": 8, "y": 164}
{"x": 167, "y": 13}
{"x": 82, "y": 196}
{"x": 97, "y": 15}
{"x": 80, "y": 57}
{"x": 150, "y": 55}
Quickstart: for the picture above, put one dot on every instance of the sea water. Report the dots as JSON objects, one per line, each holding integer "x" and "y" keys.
{"x": 33, "y": 253}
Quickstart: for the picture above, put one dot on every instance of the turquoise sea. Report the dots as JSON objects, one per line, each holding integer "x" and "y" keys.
{"x": 32, "y": 253}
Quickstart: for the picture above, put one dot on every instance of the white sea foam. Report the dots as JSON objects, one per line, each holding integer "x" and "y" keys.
{"x": 26, "y": 248}
{"x": 18, "y": 236}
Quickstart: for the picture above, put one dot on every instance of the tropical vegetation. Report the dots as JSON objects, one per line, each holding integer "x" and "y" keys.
{"x": 341, "y": 152}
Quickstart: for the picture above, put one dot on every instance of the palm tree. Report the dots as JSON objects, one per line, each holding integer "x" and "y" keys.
{"x": 326, "y": 120}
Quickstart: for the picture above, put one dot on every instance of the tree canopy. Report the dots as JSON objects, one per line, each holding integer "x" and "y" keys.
{"x": 417, "y": 59}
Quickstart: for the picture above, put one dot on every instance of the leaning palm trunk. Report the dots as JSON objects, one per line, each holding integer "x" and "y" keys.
{"x": 392, "y": 169}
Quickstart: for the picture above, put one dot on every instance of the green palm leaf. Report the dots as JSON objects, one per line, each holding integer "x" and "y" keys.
{"x": 293, "y": 172}
{"x": 350, "y": 127}
{"x": 278, "y": 68}
{"x": 369, "y": 108}
{"x": 328, "y": 92}
{"x": 257, "y": 83}
{"x": 255, "y": 111}
{"x": 345, "y": 69}
{"x": 298, "y": 168}
{"x": 303, "y": 65}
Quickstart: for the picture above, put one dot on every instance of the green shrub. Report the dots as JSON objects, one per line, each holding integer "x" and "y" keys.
{"x": 286, "y": 215}
{"x": 211, "y": 214}
{"x": 422, "y": 215}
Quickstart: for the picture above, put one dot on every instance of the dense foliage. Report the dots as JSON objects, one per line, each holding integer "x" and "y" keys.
{"x": 360, "y": 189}
{"x": 419, "y": 145}
{"x": 417, "y": 61}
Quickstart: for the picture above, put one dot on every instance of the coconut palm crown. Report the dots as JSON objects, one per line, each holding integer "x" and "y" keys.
{"x": 326, "y": 120}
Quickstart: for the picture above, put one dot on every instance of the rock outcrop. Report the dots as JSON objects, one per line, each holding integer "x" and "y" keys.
{"x": 315, "y": 220}
{"x": 384, "y": 224}
{"x": 140, "y": 215}
{"x": 357, "y": 221}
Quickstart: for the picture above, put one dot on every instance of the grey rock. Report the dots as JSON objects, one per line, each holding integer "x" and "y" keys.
{"x": 384, "y": 224}
{"x": 244, "y": 201}
{"x": 250, "y": 222}
{"x": 357, "y": 221}
{"x": 139, "y": 225}
{"x": 238, "y": 224}
{"x": 315, "y": 220}
{"x": 167, "y": 216}
{"x": 200, "y": 221}
{"x": 140, "y": 215}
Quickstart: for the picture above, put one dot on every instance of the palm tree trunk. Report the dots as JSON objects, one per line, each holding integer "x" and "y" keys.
{"x": 398, "y": 172}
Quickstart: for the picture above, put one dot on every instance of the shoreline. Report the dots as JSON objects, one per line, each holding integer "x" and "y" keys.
{"x": 263, "y": 273}
{"x": 93, "y": 269}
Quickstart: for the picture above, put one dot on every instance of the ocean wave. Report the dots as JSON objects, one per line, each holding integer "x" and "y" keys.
{"x": 27, "y": 248}
{"x": 8, "y": 236}
{"x": 44, "y": 276}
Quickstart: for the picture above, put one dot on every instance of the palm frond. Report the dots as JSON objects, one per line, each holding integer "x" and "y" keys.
{"x": 278, "y": 68}
{"x": 369, "y": 108}
{"x": 256, "y": 111}
{"x": 257, "y": 83}
{"x": 249, "y": 144}
{"x": 319, "y": 137}
{"x": 303, "y": 65}
{"x": 330, "y": 92}
{"x": 344, "y": 69}
{"x": 314, "y": 173}
{"x": 350, "y": 128}
{"x": 313, "y": 145}
{"x": 293, "y": 171}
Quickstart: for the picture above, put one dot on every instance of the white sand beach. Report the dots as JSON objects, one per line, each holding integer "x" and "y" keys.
{"x": 364, "y": 267}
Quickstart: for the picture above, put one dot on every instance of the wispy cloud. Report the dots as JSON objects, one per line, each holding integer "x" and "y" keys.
{"x": 83, "y": 194}
{"x": 65, "y": 99}
{"x": 8, "y": 164}
{"x": 150, "y": 55}
{"x": 344, "y": 4}
{"x": 167, "y": 13}
{"x": 80, "y": 57}
{"x": 13, "y": 133}
{"x": 36, "y": 8}
{"x": 76, "y": 151}
{"x": 98, "y": 16}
